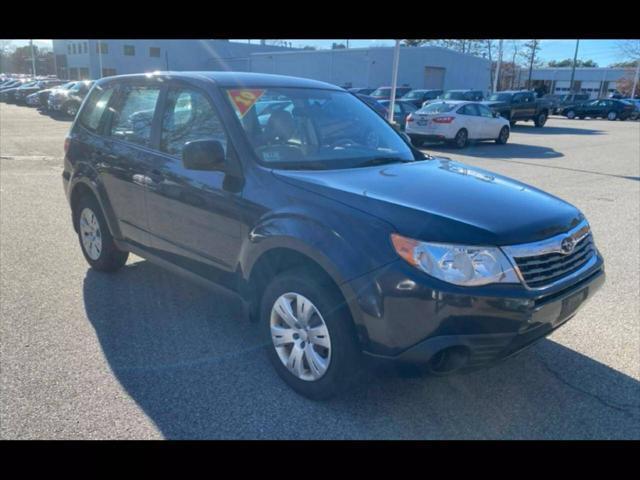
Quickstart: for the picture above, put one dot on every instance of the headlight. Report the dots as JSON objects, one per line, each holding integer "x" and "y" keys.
{"x": 458, "y": 264}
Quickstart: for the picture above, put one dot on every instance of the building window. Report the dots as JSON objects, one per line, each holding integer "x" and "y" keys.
{"x": 102, "y": 48}
{"x": 73, "y": 74}
{"x": 154, "y": 51}
{"x": 84, "y": 74}
{"x": 108, "y": 72}
{"x": 73, "y": 48}
{"x": 129, "y": 50}
{"x": 69, "y": 49}
{"x": 86, "y": 48}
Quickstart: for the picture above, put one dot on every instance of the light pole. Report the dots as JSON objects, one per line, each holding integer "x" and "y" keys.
{"x": 100, "y": 58}
{"x": 394, "y": 80}
{"x": 33, "y": 60}
{"x": 495, "y": 80}
{"x": 573, "y": 68}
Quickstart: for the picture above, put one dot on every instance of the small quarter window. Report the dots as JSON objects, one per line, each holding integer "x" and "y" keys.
{"x": 95, "y": 107}
{"x": 154, "y": 51}
{"x": 129, "y": 50}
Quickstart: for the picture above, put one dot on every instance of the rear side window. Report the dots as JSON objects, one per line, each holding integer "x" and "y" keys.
{"x": 94, "y": 108}
{"x": 189, "y": 116}
{"x": 132, "y": 120}
{"x": 469, "y": 109}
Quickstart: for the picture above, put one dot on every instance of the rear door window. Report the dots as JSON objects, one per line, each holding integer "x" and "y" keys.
{"x": 189, "y": 116}
{"x": 133, "y": 118}
{"x": 95, "y": 107}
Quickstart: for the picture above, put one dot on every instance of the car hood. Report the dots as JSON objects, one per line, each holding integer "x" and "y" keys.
{"x": 444, "y": 201}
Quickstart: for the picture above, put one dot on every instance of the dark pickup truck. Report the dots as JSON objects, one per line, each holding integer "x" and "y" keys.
{"x": 520, "y": 105}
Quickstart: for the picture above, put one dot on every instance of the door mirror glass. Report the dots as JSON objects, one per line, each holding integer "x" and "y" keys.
{"x": 204, "y": 155}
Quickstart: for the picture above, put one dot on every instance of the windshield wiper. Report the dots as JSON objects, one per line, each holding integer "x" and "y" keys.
{"x": 381, "y": 161}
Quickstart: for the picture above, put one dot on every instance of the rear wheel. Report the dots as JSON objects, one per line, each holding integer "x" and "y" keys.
{"x": 612, "y": 115}
{"x": 461, "y": 139}
{"x": 503, "y": 136}
{"x": 540, "y": 120}
{"x": 416, "y": 141}
{"x": 96, "y": 240}
{"x": 571, "y": 114}
{"x": 312, "y": 343}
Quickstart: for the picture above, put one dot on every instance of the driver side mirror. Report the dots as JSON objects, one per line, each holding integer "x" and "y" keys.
{"x": 204, "y": 155}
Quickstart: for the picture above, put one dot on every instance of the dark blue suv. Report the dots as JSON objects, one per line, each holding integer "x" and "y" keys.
{"x": 339, "y": 236}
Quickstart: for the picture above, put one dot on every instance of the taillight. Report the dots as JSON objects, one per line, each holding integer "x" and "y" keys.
{"x": 410, "y": 118}
{"x": 67, "y": 141}
{"x": 443, "y": 119}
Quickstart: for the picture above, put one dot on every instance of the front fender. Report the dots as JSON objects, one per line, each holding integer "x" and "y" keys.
{"x": 344, "y": 247}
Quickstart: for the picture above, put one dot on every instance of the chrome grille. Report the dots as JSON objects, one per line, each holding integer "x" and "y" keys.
{"x": 543, "y": 264}
{"x": 540, "y": 270}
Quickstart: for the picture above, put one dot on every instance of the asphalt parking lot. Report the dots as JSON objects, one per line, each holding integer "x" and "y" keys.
{"x": 143, "y": 354}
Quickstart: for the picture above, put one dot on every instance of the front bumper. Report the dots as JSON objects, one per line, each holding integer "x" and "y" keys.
{"x": 404, "y": 315}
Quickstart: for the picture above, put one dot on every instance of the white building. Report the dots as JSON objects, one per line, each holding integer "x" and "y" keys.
{"x": 597, "y": 82}
{"x": 419, "y": 67}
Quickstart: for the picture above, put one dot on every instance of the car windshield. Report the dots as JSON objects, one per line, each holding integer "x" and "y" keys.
{"x": 315, "y": 129}
{"x": 500, "y": 97}
{"x": 381, "y": 92}
{"x": 453, "y": 96}
{"x": 438, "y": 107}
{"x": 414, "y": 94}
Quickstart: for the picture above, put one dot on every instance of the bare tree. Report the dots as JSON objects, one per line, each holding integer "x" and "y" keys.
{"x": 630, "y": 49}
{"x": 529, "y": 52}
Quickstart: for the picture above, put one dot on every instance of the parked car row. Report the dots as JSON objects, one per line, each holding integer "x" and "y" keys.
{"x": 48, "y": 94}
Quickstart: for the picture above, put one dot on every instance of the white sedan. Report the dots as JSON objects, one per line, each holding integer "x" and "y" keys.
{"x": 457, "y": 122}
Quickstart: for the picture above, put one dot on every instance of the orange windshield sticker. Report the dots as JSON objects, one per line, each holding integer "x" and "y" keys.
{"x": 243, "y": 99}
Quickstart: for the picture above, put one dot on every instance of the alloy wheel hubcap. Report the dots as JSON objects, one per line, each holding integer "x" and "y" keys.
{"x": 300, "y": 336}
{"x": 612, "y": 115}
{"x": 90, "y": 234}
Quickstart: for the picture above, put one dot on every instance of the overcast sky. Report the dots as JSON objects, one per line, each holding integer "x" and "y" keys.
{"x": 603, "y": 52}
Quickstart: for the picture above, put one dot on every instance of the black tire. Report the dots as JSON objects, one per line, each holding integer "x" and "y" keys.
{"x": 417, "y": 142}
{"x": 110, "y": 257}
{"x": 461, "y": 139}
{"x": 503, "y": 136}
{"x": 345, "y": 360}
{"x": 612, "y": 115}
{"x": 540, "y": 120}
{"x": 571, "y": 114}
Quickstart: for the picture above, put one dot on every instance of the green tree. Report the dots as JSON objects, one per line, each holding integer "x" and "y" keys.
{"x": 568, "y": 62}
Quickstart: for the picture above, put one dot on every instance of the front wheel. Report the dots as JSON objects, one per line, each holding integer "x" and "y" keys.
{"x": 96, "y": 240}
{"x": 312, "y": 343}
{"x": 503, "y": 136}
{"x": 461, "y": 139}
{"x": 612, "y": 115}
{"x": 571, "y": 114}
{"x": 540, "y": 120}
